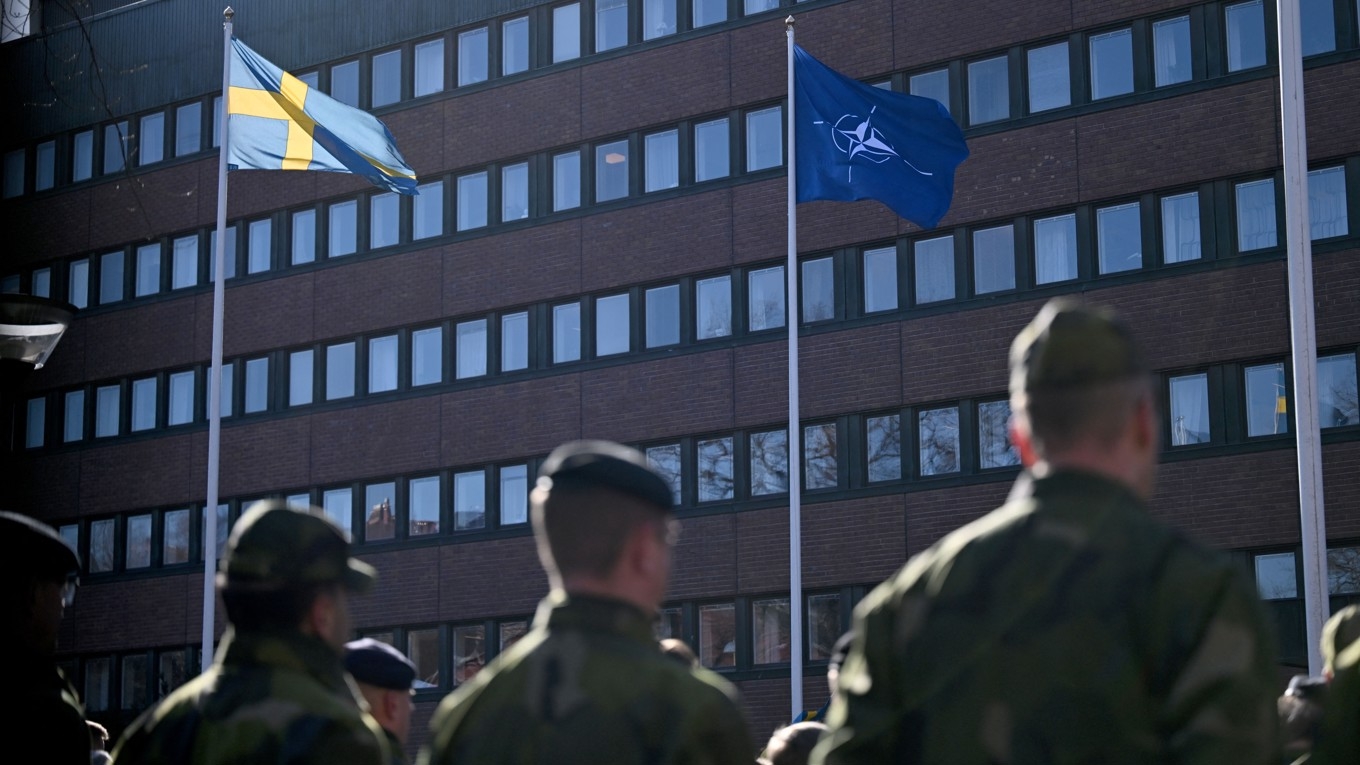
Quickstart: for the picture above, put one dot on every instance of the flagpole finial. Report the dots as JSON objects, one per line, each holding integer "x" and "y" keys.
{"x": 228, "y": 14}
{"x": 788, "y": 22}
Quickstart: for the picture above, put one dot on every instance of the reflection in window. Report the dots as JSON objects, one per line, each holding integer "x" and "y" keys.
{"x": 175, "y": 541}
{"x": 1049, "y": 82}
{"x": 1317, "y": 31}
{"x": 939, "y": 432}
{"x": 1327, "y": 203}
{"x": 304, "y": 237}
{"x": 70, "y": 533}
{"x": 151, "y": 139}
{"x": 115, "y": 147}
{"x": 611, "y": 171}
{"x": 514, "y": 341}
{"x": 469, "y": 652}
{"x": 765, "y": 307}
{"x": 880, "y": 280}
{"x": 138, "y": 551}
{"x": 994, "y": 443}
{"x": 1338, "y": 403}
{"x": 764, "y": 139}
{"x": 718, "y": 635}
{"x": 184, "y": 262}
{"x": 1343, "y": 570}
{"x": 386, "y": 78}
{"x": 883, "y": 436}
{"x": 181, "y": 404}
{"x": 97, "y": 683}
{"x": 35, "y": 423}
{"x": 994, "y": 259}
{"x": 173, "y": 672}
{"x": 934, "y": 269}
{"x": 339, "y": 507}
{"x": 429, "y": 71}
{"x": 384, "y": 220}
{"x": 101, "y": 546}
{"x": 713, "y": 307}
{"x": 511, "y": 632}
{"x": 662, "y": 160}
{"x": 566, "y": 38}
{"x": 344, "y": 85}
{"x": 422, "y": 648}
{"x": 819, "y": 290}
{"x": 712, "y": 150}
{"x": 770, "y": 630}
{"x": 188, "y": 129}
{"x": 222, "y": 529}
{"x": 82, "y": 155}
{"x": 669, "y": 624}
{"x": 427, "y": 356}
{"x": 988, "y": 91}
{"x": 566, "y": 331}
{"x": 469, "y": 500}
{"x": 78, "y": 288}
{"x": 611, "y": 24}
{"x": 135, "y": 670}
{"x": 473, "y": 58}
{"x": 658, "y": 18}
{"x": 707, "y": 12}
{"x": 931, "y": 85}
{"x": 427, "y": 211}
{"x": 471, "y": 343}
{"x": 567, "y": 181}
{"x": 472, "y": 201}
{"x": 663, "y": 315}
{"x": 515, "y": 46}
{"x": 382, "y": 364}
{"x": 1055, "y": 249}
{"x": 1119, "y": 238}
{"x": 819, "y": 456}
{"x": 715, "y": 469}
{"x": 769, "y": 463}
{"x": 514, "y": 494}
{"x": 824, "y": 625}
{"x": 1180, "y": 228}
{"x": 611, "y": 325}
{"x": 1111, "y": 64}
{"x": 1276, "y": 576}
{"x": 257, "y": 385}
{"x": 106, "y": 404}
{"x": 757, "y": 6}
{"x": 380, "y": 521}
{"x": 515, "y": 192}
{"x": 148, "y": 270}
{"x": 1189, "y": 409}
{"x": 424, "y": 502}
{"x": 1267, "y": 404}
{"x": 143, "y": 404}
{"x": 1171, "y": 51}
{"x": 110, "y": 277}
{"x": 340, "y": 371}
{"x": 343, "y": 228}
{"x": 665, "y": 460}
{"x": 1246, "y": 35}
{"x": 229, "y": 266}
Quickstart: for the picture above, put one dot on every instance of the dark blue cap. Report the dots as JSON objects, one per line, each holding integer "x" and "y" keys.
{"x": 374, "y": 662}
{"x": 605, "y": 465}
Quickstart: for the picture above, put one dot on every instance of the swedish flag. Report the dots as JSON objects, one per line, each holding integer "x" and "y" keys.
{"x": 277, "y": 122}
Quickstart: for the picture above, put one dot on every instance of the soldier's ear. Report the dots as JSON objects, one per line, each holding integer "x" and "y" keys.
{"x": 1022, "y": 443}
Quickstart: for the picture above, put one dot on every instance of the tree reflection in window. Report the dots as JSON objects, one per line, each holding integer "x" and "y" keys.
{"x": 824, "y": 625}
{"x": 939, "y": 431}
{"x": 665, "y": 460}
{"x": 994, "y": 444}
{"x": 769, "y": 462}
{"x": 715, "y": 470}
{"x": 884, "y": 442}
{"x": 819, "y": 456}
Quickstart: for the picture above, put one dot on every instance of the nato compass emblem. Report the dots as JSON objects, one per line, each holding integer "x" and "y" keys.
{"x": 856, "y": 138}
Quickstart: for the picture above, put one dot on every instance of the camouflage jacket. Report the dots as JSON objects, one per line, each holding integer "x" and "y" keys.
{"x": 269, "y": 698}
{"x": 38, "y": 705}
{"x": 1065, "y": 627}
{"x": 589, "y": 684}
{"x": 1339, "y": 741}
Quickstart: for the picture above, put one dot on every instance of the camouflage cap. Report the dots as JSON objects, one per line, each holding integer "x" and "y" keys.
{"x": 1339, "y": 633}
{"x": 277, "y": 547}
{"x": 1069, "y": 345}
{"x": 605, "y": 464}
{"x": 32, "y": 547}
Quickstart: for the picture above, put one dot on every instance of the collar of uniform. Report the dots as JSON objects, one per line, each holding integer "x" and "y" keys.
{"x": 584, "y": 612}
{"x": 285, "y": 650}
{"x": 1090, "y": 489}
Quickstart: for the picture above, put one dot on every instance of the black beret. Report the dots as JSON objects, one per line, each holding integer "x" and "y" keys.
{"x": 374, "y": 662}
{"x": 29, "y": 546}
{"x": 605, "y": 464}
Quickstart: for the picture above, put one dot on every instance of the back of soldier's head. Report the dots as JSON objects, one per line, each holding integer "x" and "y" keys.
{"x": 792, "y": 744}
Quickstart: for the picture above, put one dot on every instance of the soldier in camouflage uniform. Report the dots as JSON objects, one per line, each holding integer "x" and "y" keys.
{"x": 589, "y": 684}
{"x": 1066, "y": 626}
{"x": 1338, "y": 741}
{"x": 277, "y": 692}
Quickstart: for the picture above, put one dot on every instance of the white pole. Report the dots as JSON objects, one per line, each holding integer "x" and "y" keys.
{"x": 215, "y": 371}
{"x": 795, "y": 432}
{"x": 1312, "y": 524}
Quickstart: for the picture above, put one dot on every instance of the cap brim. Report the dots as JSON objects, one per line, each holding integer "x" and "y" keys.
{"x": 359, "y": 576}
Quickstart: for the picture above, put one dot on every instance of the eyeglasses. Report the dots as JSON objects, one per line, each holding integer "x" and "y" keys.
{"x": 68, "y": 590}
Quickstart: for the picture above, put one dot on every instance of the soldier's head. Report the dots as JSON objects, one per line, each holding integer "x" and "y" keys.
{"x": 290, "y": 569}
{"x": 1340, "y": 632}
{"x": 792, "y": 744}
{"x": 38, "y": 578}
{"x": 1081, "y": 395}
{"x": 384, "y": 677}
{"x": 602, "y": 519}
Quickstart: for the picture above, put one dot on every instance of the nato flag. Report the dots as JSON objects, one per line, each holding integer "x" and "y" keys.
{"x": 855, "y": 141}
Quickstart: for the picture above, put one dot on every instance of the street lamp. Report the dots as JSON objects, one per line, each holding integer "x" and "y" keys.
{"x": 30, "y": 328}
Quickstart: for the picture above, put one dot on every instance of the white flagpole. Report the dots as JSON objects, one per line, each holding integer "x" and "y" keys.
{"x": 795, "y": 432}
{"x": 215, "y": 371}
{"x": 1312, "y": 523}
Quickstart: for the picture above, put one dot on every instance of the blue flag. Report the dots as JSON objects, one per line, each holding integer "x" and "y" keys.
{"x": 855, "y": 141}
{"x": 277, "y": 122}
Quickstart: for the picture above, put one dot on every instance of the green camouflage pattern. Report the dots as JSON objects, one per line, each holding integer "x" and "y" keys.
{"x": 277, "y": 547}
{"x": 1338, "y": 742}
{"x": 271, "y": 697}
{"x": 589, "y": 684}
{"x": 1065, "y": 627}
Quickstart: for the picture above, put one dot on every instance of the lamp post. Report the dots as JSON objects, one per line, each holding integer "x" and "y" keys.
{"x": 30, "y": 328}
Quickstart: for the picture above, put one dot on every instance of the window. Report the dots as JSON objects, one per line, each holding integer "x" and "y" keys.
{"x": 1327, "y": 203}
{"x": 472, "y": 201}
{"x": 1171, "y": 60}
{"x": 422, "y": 647}
{"x": 515, "y": 46}
{"x": 994, "y": 443}
{"x": 138, "y": 551}
{"x": 469, "y": 652}
{"x": 566, "y": 40}
{"x": 10, "y": 284}
{"x": 663, "y": 315}
{"x": 1338, "y": 404}
{"x": 173, "y": 672}
{"x": 78, "y": 289}
{"x": 1343, "y": 570}
{"x": 151, "y": 139}
{"x": 931, "y": 85}
{"x": 143, "y": 404}
{"x": 42, "y": 282}
{"x": 1119, "y": 238}
{"x": 880, "y": 280}
{"x": 73, "y": 425}
{"x": 429, "y": 68}
{"x": 471, "y": 341}
{"x": 1189, "y": 409}
{"x": 706, "y": 12}
{"x": 101, "y": 545}
{"x": 340, "y": 371}
{"x": 994, "y": 259}
{"x": 1318, "y": 26}
{"x": 612, "y": 325}
{"x": 222, "y": 528}
{"x": 658, "y": 18}
{"x": 35, "y": 423}
{"x": 514, "y": 494}
{"x": 934, "y": 269}
{"x": 819, "y": 290}
{"x": 345, "y": 83}
{"x": 988, "y": 91}
{"x": 343, "y": 231}
{"x": 515, "y": 192}
{"x": 765, "y": 309}
{"x": 663, "y": 160}
{"x": 229, "y": 265}
{"x": 715, "y": 469}
{"x": 511, "y": 632}
{"x": 386, "y": 78}
{"x": 473, "y": 58}
{"x": 1276, "y": 576}
{"x": 514, "y": 341}
{"x": 1055, "y": 249}
{"x": 764, "y": 139}
{"x": 184, "y": 262}
{"x": 1111, "y": 64}
{"x": 427, "y": 356}
{"x": 939, "y": 433}
{"x": 758, "y": 6}
{"x": 769, "y": 463}
{"x": 1246, "y": 35}
{"x": 566, "y": 332}
{"x": 567, "y": 181}
{"x": 175, "y": 539}
{"x": 824, "y": 625}
{"x": 611, "y": 24}
{"x": 304, "y": 237}
{"x": 134, "y": 675}
{"x": 1256, "y": 215}
{"x": 718, "y": 635}
{"x": 148, "y": 269}
{"x": 82, "y": 156}
{"x": 669, "y": 623}
{"x": 384, "y": 220}
{"x": 1050, "y": 84}
{"x": 665, "y": 460}
{"x": 1180, "y": 228}
{"x": 259, "y": 246}
{"x": 228, "y": 383}
{"x": 769, "y": 624}
{"x": 469, "y": 500}
{"x": 338, "y": 505}
{"x": 97, "y": 682}
{"x": 713, "y": 307}
{"x": 257, "y": 385}
{"x": 820, "y": 457}
{"x": 380, "y": 507}
{"x": 106, "y": 405}
{"x": 110, "y": 278}
{"x": 424, "y": 501}
{"x": 382, "y": 364}
{"x": 1267, "y": 404}
{"x": 299, "y": 378}
{"x": 181, "y": 407}
{"x": 611, "y": 171}
{"x": 712, "y": 150}
{"x": 115, "y": 147}
{"x": 427, "y": 211}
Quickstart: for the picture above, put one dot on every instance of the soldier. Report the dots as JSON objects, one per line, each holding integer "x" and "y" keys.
{"x": 1066, "y": 626}
{"x": 589, "y": 683}
{"x": 1338, "y": 739}
{"x": 384, "y": 678}
{"x": 38, "y": 577}
{"x": 277, "y": 691}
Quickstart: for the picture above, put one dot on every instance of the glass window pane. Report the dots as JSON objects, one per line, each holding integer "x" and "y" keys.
{"x": 712, "y": 150}
{"x": 175, "y": 537}
{"x": 471, "y": 343}
{"x": 101, "y": 546}
{"x": 1119, "y": 238}
{"x": 229, "y": 266}
{"x": 670, "y": 623}
{"x": 429, "y": 72}
{"x": 382, "y": 364}
{"x": 228, "y": 381}
{"x": 424, "y": 500}
{"x": 658, "y": 18}
{"x": 1171, "y": 51}
{"x": 611, "y": 171}
{"x": 567, "y": 181}
{"x": 148, "y": 269}
{"x": 82, "y": 155}
{"x": 1055, "y": 249}
{"x": 994, "y": 443}
{"x": 143, "y": 404}
{"x": 566, "y": 332}
{"x": 1180, "y": 228}
{"x": 181, "y": 409}
{"x": 1050, "y": 84}
{"x": 184, "y": 265}
{"x": 422, "y": 648}
{"x": 151, "y": 139}
{"x": 340, "y": 371}
{"x": 718, "y": 635}
{"x": 511, "y": 632}
{"x": 1277, "y": 576}
{"x": 934, "y": 269}
{"x": 769, "y": 462}
{"x": 222, "y": 528}
{"x": 939, "y": 433}
{"x": 764, "y": 139}
{"x": 1189, "y": 396}
{"x": 931, "y": 85}
{"x": 472, "y": 201}
{"x": 515, "y": 46}
{"x": 1256, "y": 215}
{"x": 611, "y": 24}
{"x": 343, "y": 228}
{"x": 45, "y": 166}
{"x": 1111, "y": 64}
{"x": 769, "y": 628}
{"x": 345, "y": 83}
{"x": 106, "y": 411}
{"x": 427, "y": 356}
{"x": 138, "y": 551}
{"x": 715, "y": 469}
{"x": 707, "y": 12}
{"x": 384, "y": 219}
{"x": 1343, "y": 570}
{"x": 994, "y": 259}
{"x": 469, "y": 500}
{"x": 1338, "y": 403}
{"x": 663, "y": 315}
{"x": 110, "y": 277}
{"x": 989, "y": 97}
{"x": 299, "y": 379}
{"x": 135, "y": 682}
{"x": 1267, "y": 403}
{"x": 666, "y": 461}
{"x": 427, "y": 211}
{"x": 514, "y": 341}
{"x": 819, "y": 290}
{"x": 1246, "y": 35}
{"x": 380, "y": 503}
{"x": 473, "y": 58}
{"x": 97, "y": 681}
{"x": 514, "y": 494}
{"x": 304, "y": 237}
{"x": 752, "y": 7}
{"x": 73, "y": 424}
{"x": 35, "y": 423}
{"x": 42, "y": 282}
{"x": 386, "y": 78}
{"x": 612, "y": 325}
{"x": 257, "y": 385}
{"x": 1327, "y": 203}
{"x": 339, "y": 507}
{"x": 14, "y": 174}
{"x": 566, "y": 23}
{"x": 515, "y": 192}
{"x": 663, "y": 160}
{"x": 259, "y": 246}
{"x": 880, "y": 279}
{"x": 713, "y": 307}
{"x": 1317, "y": 29}
{"x": 765, "y": 309}
{"x": 824, "y": 625}
{"x": 173, "y": 672}
{"x": 820, "y": 464}
{"x": 115, "y": 147}
{"x": 78, "y": 288}
{"x": 469, "y": 652}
